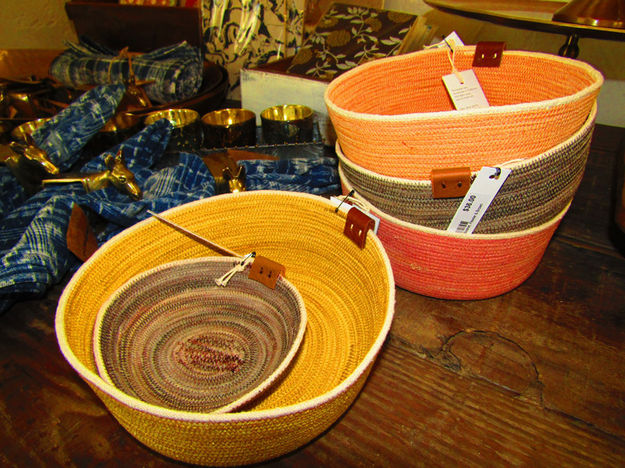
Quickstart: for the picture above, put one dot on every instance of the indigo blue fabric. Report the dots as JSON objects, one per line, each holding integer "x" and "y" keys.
{"x": 64, "y": 135}
{"x": 317, "y": 176}
{"x": 33, "y": 250}
{"x": 13, "y": 194}
{"x": 176, "y": 70}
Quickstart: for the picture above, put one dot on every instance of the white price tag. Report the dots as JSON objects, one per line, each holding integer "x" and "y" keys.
{"x": 452, "y": 40}
{"x": 477, "y": 200}
{"x": 465, "y": 94}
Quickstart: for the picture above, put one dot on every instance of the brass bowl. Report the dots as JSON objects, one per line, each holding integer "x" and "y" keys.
{"x": 289, "y": 123}
{"x": 287, "y": 112}
{"x": 229, "y": 128}
{"x": 177, "y": 117}
{"x": 227, "y": 117}
{"x": 186, "y": 134}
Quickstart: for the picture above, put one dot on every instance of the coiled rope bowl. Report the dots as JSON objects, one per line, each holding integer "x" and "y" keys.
{"x": 349, "y": 299}
{"x": 447, "y": 265}
{"x": 173, "y": 337}
{"x": 393, "y": 116}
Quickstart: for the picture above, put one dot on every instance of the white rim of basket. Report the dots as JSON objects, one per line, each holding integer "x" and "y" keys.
{"x": 505, "y": 109}
{"x": 513, "y": 164}
{"x": 439, "y": 232}
{"x": 246, "y": 397}
{"x": 142, "y": 406}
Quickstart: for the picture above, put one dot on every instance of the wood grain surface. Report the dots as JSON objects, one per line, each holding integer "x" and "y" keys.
{"x": 535, "y": 377}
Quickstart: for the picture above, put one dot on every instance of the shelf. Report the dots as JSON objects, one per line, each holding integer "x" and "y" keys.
{"x": 140, "y": 28}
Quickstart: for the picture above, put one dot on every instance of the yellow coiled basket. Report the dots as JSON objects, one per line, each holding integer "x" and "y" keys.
{"x": 349, "y": 297}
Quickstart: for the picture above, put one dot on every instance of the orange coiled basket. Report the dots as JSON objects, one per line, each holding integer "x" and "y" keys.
{"x": 393, "y": 116}
{"x": 447, "y": 265}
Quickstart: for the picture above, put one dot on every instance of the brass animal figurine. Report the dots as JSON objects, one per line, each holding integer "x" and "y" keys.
{"x": 135, "y": 99}
{"x": 29, "y": 164}
{"x": 236, "y": 182}
{"x": 229, "y": 176}
{"x": 32, "y": 155}
{"x": 135, "y": 95}
{"x": 116, "y": 174}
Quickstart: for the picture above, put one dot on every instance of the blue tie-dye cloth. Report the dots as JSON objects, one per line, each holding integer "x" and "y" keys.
{"x": 33, "y": 248}
{"x": 64, "y": 135}
{"x": 176, "y": 70}
{"x": 13, "y": 194}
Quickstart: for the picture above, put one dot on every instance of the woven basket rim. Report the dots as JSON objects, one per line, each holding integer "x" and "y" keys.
{"x": 254, "y": 391}
{"x": 512, "y": 164}
{"x": 440, "y": 115}
{"x": 443, "y": 233}
{"x": 94, "y": 379}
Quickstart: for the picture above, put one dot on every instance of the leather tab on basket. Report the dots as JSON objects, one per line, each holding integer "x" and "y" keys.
{"x": 81, "y": 240}
{"x": 452, "y": 182}
{"x": 357, "y": 226}
{"x": 266, "y": 271}
{"x": 488, "y": 54}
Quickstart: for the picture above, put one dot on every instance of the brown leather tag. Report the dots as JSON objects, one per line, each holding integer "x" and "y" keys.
{"x": 357, "y": 226}
{"x": 266, "y": 271}
{"x": 450, "y": 182}
{"x": 81, "y": 240}
{"x": 488, "y": 54}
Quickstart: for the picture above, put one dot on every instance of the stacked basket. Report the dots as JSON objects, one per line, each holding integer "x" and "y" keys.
{"x": 395, "y": 123}
{"x": 348, "y": 294}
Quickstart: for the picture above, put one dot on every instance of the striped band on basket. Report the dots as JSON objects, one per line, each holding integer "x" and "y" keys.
{"x": 393, "y": 116}
{"x": 537, "y": 189}
{"x": 172, "y": 337}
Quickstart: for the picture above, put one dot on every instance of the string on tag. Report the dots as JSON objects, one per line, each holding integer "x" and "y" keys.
{"x": 452, "y": 60}
{"x": 355, "y": 202}
{"x": 240, "y": 266}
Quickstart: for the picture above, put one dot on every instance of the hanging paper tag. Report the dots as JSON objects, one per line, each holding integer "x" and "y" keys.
{"x": 467, "y": 94}
{"x": 477, "y": 200}
{"x": 451, "y": 40}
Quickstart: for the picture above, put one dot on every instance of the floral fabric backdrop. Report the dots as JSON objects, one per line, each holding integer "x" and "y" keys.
{"x": 347, "y": 36}
{"x": 244, "y": 33}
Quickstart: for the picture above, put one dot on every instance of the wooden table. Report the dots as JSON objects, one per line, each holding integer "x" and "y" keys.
{"x": 534, "y": 15}
{"x": 535, "y": 377}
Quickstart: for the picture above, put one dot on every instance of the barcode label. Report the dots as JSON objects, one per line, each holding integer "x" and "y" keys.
{"x": 462, "y": 227}
{"x": 477, "y": 200}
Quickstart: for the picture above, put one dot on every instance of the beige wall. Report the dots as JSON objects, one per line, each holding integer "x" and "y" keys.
{"x": 34, "y": 24}
{"x": 43, "y": 24}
